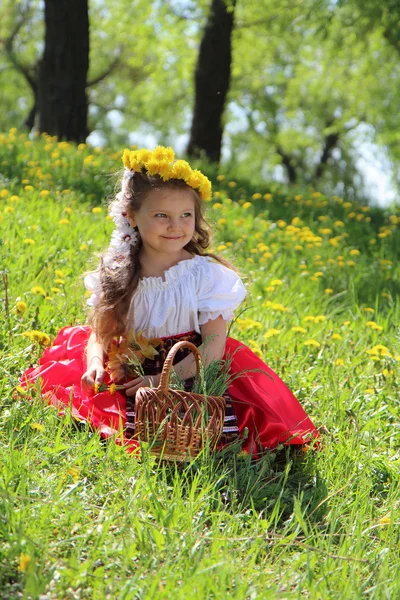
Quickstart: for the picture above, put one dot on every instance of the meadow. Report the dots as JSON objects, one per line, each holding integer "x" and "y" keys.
{"x": 80, "y": 518}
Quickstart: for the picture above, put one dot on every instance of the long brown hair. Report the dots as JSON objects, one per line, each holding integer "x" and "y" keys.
{"x": 108, "y": 317}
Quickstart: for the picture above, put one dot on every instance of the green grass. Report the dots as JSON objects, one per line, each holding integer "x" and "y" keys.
{"x": 80, "y": 518}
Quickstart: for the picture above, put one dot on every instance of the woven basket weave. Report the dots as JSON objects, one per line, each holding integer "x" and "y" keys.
{"x": 176, "y": 423}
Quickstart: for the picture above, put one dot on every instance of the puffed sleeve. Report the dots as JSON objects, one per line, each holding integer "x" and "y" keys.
{"x": 220, "y": 292}
{"x": 93, "y": 284}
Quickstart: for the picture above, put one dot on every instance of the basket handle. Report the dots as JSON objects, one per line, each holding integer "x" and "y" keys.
{"x": 164, "y": 379}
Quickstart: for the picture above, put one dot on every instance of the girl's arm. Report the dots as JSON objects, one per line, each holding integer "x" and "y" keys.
{"x": 213, "y": 349}
{"x": 94, "y": 364}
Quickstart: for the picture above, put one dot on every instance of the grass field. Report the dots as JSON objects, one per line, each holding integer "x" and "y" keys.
{"x": 79, "y": 518}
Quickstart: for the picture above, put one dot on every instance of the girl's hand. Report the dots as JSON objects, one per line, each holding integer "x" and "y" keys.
{"x": 94, "y": 374}
{"x": 147, "y": 381}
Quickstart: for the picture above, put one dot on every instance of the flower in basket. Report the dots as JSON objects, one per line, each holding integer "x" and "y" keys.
{"x": 127, "y": 353}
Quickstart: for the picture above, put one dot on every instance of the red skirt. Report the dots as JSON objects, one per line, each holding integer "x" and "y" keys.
{"x": 266, "y": 411}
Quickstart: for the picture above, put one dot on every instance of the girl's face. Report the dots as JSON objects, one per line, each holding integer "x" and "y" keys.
{"x": 166, "y": 220}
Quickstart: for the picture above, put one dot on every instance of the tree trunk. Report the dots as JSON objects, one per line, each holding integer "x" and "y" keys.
{"x": 212, "y": 79}
{"x": 63, "y": 70}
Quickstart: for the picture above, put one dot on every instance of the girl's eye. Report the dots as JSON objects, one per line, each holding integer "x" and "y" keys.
{"x": 164, "y": 215}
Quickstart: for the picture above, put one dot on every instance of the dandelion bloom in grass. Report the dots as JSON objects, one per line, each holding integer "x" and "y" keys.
{"x": 74, "y": 473}
{"x": 368, "y": 309}
{"x": 3, "y": 193}
{"x": 271, "y": 333}
{"x": 55, "y": 290}
{"x": 8, "y": 210}
{"x": 313, "y": 343}
{"x": 328, "y": 291}
{"x": 83, "y": 247}
{"x": 20, "y": 307}
{"x": 39, "y": 337}
{"x": 379, "y": 350}
{"x": 298, "y": 329}
{"x": 29, "y": 241}
{"x": 37, "y": 289}
{"x": 59, "y": 281}
{"x": 339, "y": 362}
{"x": 97, "y": 210}
{"x": 14, "y": 198}
{"x": 374, "y": 326}
{"x": 28, "y": 188}
{"x": 276, "y": 282}
{"x": 246, "y": 205}
{"x": 37, "y": 426}
{"x": 24, "y": 562}
{"x": 44, "y": 193}
{"x": 221, "y": 221}
{"x": 221, "y": 247}
{"x": 309, "y": 319}
{"x": 336, "y": 336}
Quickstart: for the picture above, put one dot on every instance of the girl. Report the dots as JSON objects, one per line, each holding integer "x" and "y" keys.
{"x": 154, "y": 286}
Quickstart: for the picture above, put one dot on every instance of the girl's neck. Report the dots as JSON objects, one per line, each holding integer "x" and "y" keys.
{"x": 153, "y": 266}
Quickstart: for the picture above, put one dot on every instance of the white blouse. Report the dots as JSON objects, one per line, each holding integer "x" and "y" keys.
{"x": 194, "y": 291}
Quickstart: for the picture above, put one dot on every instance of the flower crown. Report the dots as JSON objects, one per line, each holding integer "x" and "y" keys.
{"x": 161, "y": 161}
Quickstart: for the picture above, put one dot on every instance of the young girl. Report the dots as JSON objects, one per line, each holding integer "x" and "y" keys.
{"x": 154, "y": 286}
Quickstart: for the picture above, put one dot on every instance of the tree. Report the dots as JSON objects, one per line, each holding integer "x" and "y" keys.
{"x": 212, "y": 79}
{"x": 63, "y": 70}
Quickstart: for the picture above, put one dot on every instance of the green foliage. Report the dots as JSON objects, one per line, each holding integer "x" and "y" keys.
{"x": 81, "y": 518}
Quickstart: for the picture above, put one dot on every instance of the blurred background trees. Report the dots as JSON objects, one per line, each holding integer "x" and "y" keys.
{"x": 293, "y": 89}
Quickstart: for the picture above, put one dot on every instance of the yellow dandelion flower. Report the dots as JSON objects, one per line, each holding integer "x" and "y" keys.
{"x": 216, "y": 204}
{"x": 256, "y": 196}
{"x": 320, "y": 318}
{"x": 37, "y": 426}
{"x": 379, "y": 350}
{"x": 164, "y": 153}
{"x": 276, "y": 282}
{"x": 368, "y": 309}
{"x": 3, "y": 193}
{"x": 385, "y": 520}
{"x": 64, "y": 222}
{"x": 97, "y": 210}
{"x": 37, "y": 289}
{"x": 29, "y": 241}
{"x": 20, "y": 307}
{"x": 325, "y": 231}
{"x": 298, "y": 329}
{"x": 329, "y": 291}
{"x": 220, "y": 177}
{"x": 165, "y": 170}
{"x": 74, "y": 473}
{"x": 8, "y": 210}
{"x": 221, "y": 247}
{"x": 313, "y": 343}
{"x": 24, "y": 562}
{"x": 339, "y": 362}
{"x": 309, "y": 319}
{"x": 59, "y": 281}
{"x": 14, "y": 198}
{"x": 196, "y": 179}
{"x": 271, "y": 333}
{"x": 44, "y": 193}
{"x": 374, "y": 326}
{"x": 281, "y": 224}
{"x": 354, "y": 252}
{"x": 246, "y": 205}
{"x": 83, "y": 247}
{"x": 222, "y": 222}
{"x": 232, "y": 184}
{"x": 152, "y": 166}
{"x": 37, "y": 336}
{"x": 336, "y": 336}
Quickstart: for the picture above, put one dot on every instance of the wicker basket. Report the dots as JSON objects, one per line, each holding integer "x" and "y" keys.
{"x": 177, "y": 423}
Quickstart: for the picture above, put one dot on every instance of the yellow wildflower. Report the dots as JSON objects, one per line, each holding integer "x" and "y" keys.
{"x": 8, "y": 210}
{"x": 276, "y": 282}
{"x": 74, "y": 473}
{"x": 298, "y": 329}
{"x": 312, "y": 342}
{"x": 379, "y": 350}
{"x": 83, "y": 247}
{"x": 374, "y": 326}
{"x": 44, "y": 193}
{"x": 20, "y": 307}
{"x": 37, "y": 289}
{"x": 24, "y": 562}
{"x": 329, "y": 291}
{"x": 37, "y": 336}
{"x": 354, "y": 252}
{"x": 271, "y": 333}
{"x": 219, "y": 177}
{"x": 3, "y": 193}
{"x": 246, "y": 205}
{"x": 97, "y": 209}
{"x": 336, "y": 336}
{"x": 64, "y": 222}
{"x": 37, "y": 426}
{"x": 29, "y": 241}
{"x": 339, "y": 362}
